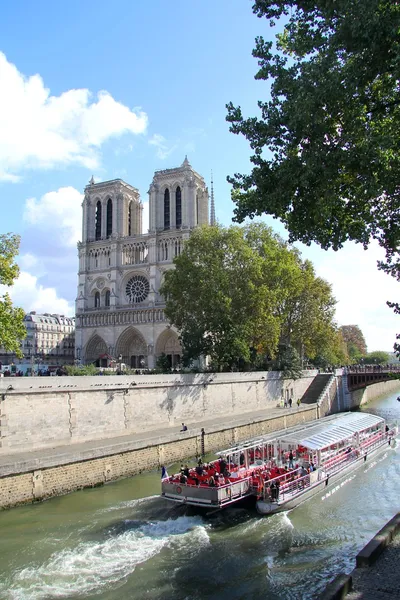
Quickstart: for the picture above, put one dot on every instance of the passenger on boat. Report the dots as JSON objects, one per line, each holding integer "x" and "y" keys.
{"x": 274, "y": 489}
{"x": 199, "y": 469}
{"x": 312, "y": 467}
{"x": 291, "y": 465}
{"x": 182, "y": 478}
{"x": 211, "y": 482}
{"x": 221, "y": 480}
{"x": 242, "y": 459}
{"x": 222, "y": 465}
{"x": 186, "y": 471}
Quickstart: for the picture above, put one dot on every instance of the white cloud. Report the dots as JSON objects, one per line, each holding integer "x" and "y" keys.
{"x": 27, "y": 261}
{"x": 59, "y": 212}
{"x": 38, "y": 130}
{"x": 361, "y": 291}
{"x": 159, "y": 141}
{"x": 29, "y": 294}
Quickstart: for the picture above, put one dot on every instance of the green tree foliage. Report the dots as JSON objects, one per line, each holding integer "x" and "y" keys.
{"x": 288, "y": 361}
{"x": 378, "y": 357}
{"x": 12, "y": 329}
{"x": 238, "y": 293}
{"x": 355, "y": 342}
{"x": 326, "y": 145}
{"x": 163, "y": 365}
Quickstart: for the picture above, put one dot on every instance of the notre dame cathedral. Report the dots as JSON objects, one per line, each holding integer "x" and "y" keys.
{"x": 119, "y": 309}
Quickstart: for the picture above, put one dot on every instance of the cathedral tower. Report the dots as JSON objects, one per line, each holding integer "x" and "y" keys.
{"x": 119, "y": 310}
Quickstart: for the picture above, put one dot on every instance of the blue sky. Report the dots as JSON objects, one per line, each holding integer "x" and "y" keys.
{"x": 120, "y": 89}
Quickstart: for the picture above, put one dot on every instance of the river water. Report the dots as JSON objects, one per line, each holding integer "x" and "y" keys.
{"x": 122, "y": 541}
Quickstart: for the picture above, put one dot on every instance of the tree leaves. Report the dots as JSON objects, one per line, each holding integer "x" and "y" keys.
{"x": 12, "y": 328}
{"x": 326, "y": 146}
{"x": 238, "y": 293}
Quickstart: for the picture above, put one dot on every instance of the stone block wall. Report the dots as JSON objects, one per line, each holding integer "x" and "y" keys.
{"x": 371, "y": 392}
{"x": 47, "y": 412}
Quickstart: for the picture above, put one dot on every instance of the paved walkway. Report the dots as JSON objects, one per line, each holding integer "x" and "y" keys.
{"x": 381, "y": 581}
{"x": 20, "y": 462}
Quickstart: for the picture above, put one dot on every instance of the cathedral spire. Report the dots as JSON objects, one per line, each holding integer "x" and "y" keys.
{"x": 212, "y": 212}
{"x": 186, "y": 163}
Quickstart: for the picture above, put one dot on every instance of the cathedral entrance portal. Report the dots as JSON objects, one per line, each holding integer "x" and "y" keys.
{"x": 168, "y": 343}
{"x": 133, "y": 349}
{"x": 138, "y": 362}
{"x": 96, "y": 351}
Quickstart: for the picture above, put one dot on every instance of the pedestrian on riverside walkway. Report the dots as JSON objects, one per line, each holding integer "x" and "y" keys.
{"x": 298, "y": 402}
{"x": 290, "y": 402}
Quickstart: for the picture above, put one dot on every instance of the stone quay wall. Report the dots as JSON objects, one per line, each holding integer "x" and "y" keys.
{"x": 30, "y": 482}
{"x": 371, "y": 392}
{"x": 46, "y": 412}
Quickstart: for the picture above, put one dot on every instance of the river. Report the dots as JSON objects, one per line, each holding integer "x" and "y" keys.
{"x": 122, "y": 541}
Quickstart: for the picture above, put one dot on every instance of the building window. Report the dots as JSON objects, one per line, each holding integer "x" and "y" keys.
{"x": 98, "y": 221}
{"x": 97, "y": 300}
{"x": 178, "y": 207}
{"x": 109, "y": 218}
{"x": 137, "y": 289}
{"x": 130, "y": 219}
{"x": 107, "y": 298}
{"x": 166, "y": 209}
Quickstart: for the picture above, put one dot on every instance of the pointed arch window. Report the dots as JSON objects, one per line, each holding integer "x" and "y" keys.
{"x": 107, "y": 298}
{"x": 130, "y": 219}
{"x": 167, "y": 221}
{"x": 178, "y": 207}
{"x": 109, "y": 218}
{"x": 98, "y": 221}
{"x": 97, "y": 300}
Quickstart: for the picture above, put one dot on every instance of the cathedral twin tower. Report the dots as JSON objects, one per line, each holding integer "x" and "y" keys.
{"x": 119, "y": 310}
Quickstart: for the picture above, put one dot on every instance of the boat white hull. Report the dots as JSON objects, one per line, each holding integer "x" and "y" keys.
{"x": 264, "y": 507}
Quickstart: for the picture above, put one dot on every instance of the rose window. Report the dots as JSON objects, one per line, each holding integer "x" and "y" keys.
{"x": 137, "y": 289}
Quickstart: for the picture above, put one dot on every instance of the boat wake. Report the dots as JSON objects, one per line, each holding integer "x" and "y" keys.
{"x": 338, "y": 487}
{"x": 97, "y": 565}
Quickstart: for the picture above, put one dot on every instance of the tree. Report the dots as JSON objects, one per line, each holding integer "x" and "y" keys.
{"x": 238, "y": 294}
{"x": 163, "y": 363}
{"x": 217, "y": 298}
{"x": 326, "y": 146}
{"x": 12, "y": 329}
{"x": 355, "y": 342}
{"x": 289, "y": 363}
{"x": 378, "y": 357}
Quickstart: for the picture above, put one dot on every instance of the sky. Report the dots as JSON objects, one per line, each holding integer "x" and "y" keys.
{"x": 121, "y": 89}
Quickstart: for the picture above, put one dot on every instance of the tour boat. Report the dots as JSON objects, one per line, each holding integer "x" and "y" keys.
{"x": 282, "y": 469}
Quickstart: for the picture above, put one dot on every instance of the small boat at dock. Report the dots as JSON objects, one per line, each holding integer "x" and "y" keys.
{"x": 282, "y": 469}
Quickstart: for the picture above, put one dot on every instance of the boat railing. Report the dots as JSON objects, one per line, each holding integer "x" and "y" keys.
{"x": 334, "y": 464}
{"x": 290, "y": 487}
{"x": 373, "y": 441}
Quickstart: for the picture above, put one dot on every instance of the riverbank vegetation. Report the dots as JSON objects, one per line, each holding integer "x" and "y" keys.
{"x": 244, "y": 298}
{"x": 324, "y": 147}
{"x": 12, "y": 329}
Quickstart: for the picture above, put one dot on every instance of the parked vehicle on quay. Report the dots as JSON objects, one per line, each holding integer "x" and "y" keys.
{"x": 283, "y": 469}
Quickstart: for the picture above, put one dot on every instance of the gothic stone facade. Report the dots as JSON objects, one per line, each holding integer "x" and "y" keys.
{"x": 119, "y": 309}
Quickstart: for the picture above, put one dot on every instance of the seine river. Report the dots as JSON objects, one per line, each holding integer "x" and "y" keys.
{"x": 122, "y": 541}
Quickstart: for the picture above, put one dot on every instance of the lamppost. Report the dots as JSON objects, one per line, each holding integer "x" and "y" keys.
{"x": 119, "y": 363}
